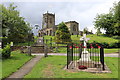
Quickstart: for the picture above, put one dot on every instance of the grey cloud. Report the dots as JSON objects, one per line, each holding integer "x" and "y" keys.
{"x": 82, "y": 12}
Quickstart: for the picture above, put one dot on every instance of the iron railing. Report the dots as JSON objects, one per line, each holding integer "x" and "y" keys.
{"x": 96, "y": 53}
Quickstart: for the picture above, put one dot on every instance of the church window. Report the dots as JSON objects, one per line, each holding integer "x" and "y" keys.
{"x": 50, "y": 20}
{"x": 74, "y": 28}
{"x": 46, "y": 19}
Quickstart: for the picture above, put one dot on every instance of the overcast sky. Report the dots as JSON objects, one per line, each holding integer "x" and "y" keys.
{"x": 82, "y": 11}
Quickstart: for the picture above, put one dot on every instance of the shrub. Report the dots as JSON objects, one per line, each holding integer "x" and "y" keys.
{"x": 62, "y": 34}
{"x": 116, "y": 37}
{"x": 114, "y": 45}
{"x": 105, "y": 45}
{"x": 6, "y": 52}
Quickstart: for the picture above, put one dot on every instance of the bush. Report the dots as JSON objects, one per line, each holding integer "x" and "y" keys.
{"x": 114, "y": 45}
{"x": 105, "y": 45}
{"x": 6, "y": 52}
{"x": 62, "y": 34}
{"x": 116, "y": 37}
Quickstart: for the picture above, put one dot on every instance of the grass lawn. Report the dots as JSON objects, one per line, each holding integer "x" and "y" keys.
{"x": 64, "y": 50}
{"x": 113, "y": 50}
{"x": 93, "y": 37}
{"x": 52, "y": 67}
{"x": 12, "y": 64}
{"x": 61, "y": 50}
{"x": 96, "y": 38}
{"x": 24, "y": 44}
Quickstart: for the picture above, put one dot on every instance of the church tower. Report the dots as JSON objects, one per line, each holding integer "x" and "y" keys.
{"x": 48, "y": 20}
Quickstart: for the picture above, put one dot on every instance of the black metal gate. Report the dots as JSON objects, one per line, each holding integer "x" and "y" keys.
{"x": 75, "y": 51}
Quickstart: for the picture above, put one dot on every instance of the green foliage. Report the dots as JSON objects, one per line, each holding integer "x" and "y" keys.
{"x": 103, "y": 40}
{"x": 109, "y": 22}
{"x": 6, "y": 51}
{"x": 105, "y": 44}
{"x": 98, "y": 32}
{"x": 85, "y": 30}
{"x": 116, "y": 37}
{"x": 116, "y": 10}
{"x": 13, "y": 26}
{"x": 62, "y": 34}
{"x": 106, "y": 22}
{"x": 114, "y": 45}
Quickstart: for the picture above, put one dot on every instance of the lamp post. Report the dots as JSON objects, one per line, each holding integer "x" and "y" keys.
{"x": 36, "y": 27}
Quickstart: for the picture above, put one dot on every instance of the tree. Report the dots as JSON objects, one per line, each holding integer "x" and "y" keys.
{"x": 62, "y": 34}
{"x": 109, "y": 22}
{"x": 106, "y": 22}
{"x": 98, "y": 32}
{"x": 116, "y": 11}
{"x": 13, "y": 26}
{"x": 85, "y": 30}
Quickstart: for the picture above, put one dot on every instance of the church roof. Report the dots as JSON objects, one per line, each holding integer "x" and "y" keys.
{"x": 71, "y": 22}
{"x": 49, "y": 14}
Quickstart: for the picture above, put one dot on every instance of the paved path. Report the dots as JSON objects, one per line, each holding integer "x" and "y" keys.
{"x": 64, "y": 54}
{"x": 25, "y": 69}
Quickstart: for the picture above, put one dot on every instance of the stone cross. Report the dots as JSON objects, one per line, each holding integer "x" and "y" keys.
{"x": 85, "y": 40}
{"x": 85, "y": 54}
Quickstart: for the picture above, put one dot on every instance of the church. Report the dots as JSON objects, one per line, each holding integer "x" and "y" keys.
{"x": 49, "y": 27}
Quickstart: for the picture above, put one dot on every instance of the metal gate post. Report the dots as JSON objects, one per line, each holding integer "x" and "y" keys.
{"x": 102, "y": 57}
{"x": 67, "y": 56}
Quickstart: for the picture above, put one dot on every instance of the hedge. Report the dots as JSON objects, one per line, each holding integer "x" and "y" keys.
{"x": 106, "y": 45}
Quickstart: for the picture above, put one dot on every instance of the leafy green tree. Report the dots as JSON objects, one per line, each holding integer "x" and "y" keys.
{"x": 13, "y": 26}
{"x": 106, "y": 22}
{"x": 109, "y": 22}
{"x": 98, "y": 32}
{"x": 62, "y": 34}
{"x": 85, "y": 30}
{"x": 116, "y": 11}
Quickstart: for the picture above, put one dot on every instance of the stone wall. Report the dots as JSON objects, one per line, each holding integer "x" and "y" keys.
{"x": 73, "y": 27}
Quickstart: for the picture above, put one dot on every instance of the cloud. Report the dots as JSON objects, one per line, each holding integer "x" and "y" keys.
{"x": 82, "y": 11}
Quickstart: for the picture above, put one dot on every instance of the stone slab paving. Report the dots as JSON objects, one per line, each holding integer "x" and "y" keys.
{"x": 25, "y": 69}
{"x": 64, "y": 54}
